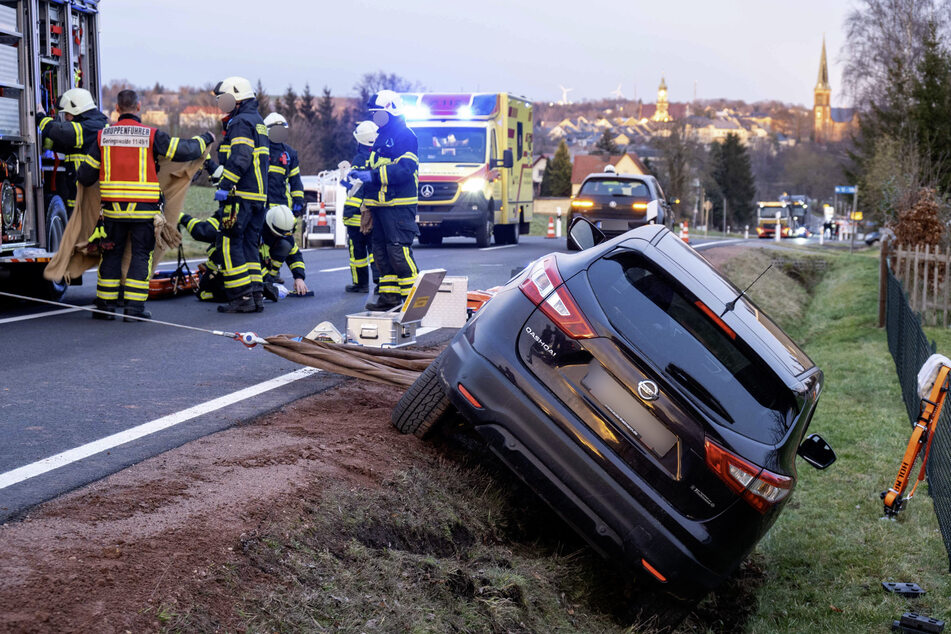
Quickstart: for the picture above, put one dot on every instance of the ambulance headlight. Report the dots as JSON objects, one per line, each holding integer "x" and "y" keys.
{"x": 473, "y": 185}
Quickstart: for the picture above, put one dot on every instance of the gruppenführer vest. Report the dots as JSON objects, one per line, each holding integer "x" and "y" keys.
{"x": 127, "y": 172}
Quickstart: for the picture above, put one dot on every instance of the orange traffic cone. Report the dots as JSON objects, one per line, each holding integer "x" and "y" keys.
{"x": 684, "y": 233}
{"x": 551, "y": 227}
{"x": 322, "y": 216}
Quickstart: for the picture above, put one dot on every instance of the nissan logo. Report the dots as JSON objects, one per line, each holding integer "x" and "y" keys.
{"x": 647, "y": 390}
{"x": 427, "y": 191}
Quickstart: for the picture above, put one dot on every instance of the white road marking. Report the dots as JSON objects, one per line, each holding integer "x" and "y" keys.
{"x": 706, "y": 245}
{"x": 339, "y": 268}
{"x": 109, "y": 442}
{"x": 501, "y": 246}
{"x": 48, "y": 313}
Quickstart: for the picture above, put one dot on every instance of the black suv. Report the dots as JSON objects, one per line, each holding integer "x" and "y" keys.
{"x": 654, "y": 407}
{"x": 616, "y": 203}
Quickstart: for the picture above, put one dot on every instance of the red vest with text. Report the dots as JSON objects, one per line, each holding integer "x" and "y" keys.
{"x": 127, "y": 170}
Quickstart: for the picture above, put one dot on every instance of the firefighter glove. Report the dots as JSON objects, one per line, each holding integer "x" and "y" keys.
{"x": 298, "y": 208}
{"x": 361, "y": 175}
{"x": 221, "y": 194}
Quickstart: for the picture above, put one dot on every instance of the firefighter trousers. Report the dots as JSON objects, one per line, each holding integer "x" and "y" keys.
{"x": 361, "y": 257}
{"x": 238, "y": 245}
{"x": 394, "y": 229}
{"x": 140, "y": 234}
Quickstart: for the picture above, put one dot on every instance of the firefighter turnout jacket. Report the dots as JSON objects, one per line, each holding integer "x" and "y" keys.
{"x": 123, "y": 160}
{"x": 278, "y": 249}
{"x": 395, "y": 166}
{"x": 244, "y": 153}
{"x": 72, "y": 138}
{"x": 283, "y": 170}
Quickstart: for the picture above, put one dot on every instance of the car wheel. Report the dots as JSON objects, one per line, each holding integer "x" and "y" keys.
{"x": 431, "y": 237}
{"x": 484, "y": 232}
{"x": 505, "y": 234}
{"x": 423, "y": 404}
{"x": 55, "y": 227}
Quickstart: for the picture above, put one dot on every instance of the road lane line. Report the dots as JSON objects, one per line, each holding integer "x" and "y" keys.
{"x": 718, "y": 243}
{"x": 48, "y": 313}
{"x": 339, "y": 268}
{"x": 109, "y": 442}
{"x": 501, "y": 246}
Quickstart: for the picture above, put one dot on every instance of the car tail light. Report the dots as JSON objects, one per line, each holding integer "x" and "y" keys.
{"x": 582, "y": 204}
{"x": 542, "y": 288}
{"x": 760, "y": 488}
{"x": 715, "y": 319}
{"x": 468, "y": 396}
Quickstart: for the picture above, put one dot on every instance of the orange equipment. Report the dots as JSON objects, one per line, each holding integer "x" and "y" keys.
{"x": 322, "y": 216}
{"x": 551, "y": 227}
{"x": 684, "y": 234}
{"x": 174, "y": 283}
{"x": 921, "y": 437}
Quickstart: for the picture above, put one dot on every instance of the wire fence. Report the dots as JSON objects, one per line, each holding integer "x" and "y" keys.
{"x": 910, "y": 348}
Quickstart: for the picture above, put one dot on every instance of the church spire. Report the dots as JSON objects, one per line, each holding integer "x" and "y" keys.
{"x": 823, "y": 82}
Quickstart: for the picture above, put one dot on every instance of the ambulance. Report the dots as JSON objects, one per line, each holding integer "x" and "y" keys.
{"x": 475, "y": 165}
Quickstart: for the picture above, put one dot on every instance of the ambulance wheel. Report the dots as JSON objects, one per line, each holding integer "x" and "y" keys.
{"x": 484, "y": 232}
{"x": 506, "y": 234}
{"x": 430, "y": 237}
{"x": 55, "y": 227}
{"x": 423, "y": 405}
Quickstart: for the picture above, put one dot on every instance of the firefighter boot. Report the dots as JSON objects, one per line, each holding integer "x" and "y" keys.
{"x": 386, "y": 301}
{"x": 357, "y": 288}
{"x": 269, "y": 290}
{"x": 238, "y": 305}
{"x": 258, "y": 297}
{"x": 105, "y": 307}
{"x": 136, "y": 311}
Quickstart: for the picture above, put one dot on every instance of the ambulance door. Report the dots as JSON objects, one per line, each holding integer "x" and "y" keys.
{"x": 497, "y": 173}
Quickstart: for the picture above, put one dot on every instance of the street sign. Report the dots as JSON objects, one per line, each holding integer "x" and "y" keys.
{"x": 855, "y": 215}
{"x": 845, "y": 189}
{"x": 707, "y": 205}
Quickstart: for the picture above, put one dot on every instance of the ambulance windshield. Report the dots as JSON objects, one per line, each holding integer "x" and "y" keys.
{"x": 451, "y": 145}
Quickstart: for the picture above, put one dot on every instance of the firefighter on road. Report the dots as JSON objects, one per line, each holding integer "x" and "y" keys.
{"x": 390, "y": 188}
{"x": 283, "y": 169}
{"x": 278, "y": 247}
{"x": 123, "y": 160}
{"x": 242, "y": 193}
{"x": 73, "y": 136}
{"x": 358, "y": 243}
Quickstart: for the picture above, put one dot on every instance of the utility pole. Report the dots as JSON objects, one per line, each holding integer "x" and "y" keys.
{"x": 724, "y": 215}
{"x": 852, "y": 225}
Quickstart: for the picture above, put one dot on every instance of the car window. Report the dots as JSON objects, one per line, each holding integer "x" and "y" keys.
{"x": 671, "y": 329}
{"x": 615, "y": 187}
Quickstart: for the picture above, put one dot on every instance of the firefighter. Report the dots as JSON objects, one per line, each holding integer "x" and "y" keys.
{"x": 72, "y": 137}
{"x": 390, "y": 179}
{"x": 358, "y": 243}
{"x": 210, "y": 278}
{"x": 242, "y": 191}
{"x": 123, "y": 160}
{"x": 283, "y": 169}
{"x": 278, "y": 247}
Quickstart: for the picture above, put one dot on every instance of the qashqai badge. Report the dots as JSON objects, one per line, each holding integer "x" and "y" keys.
{"x": 647, "y": 390}
{"x": 427, "y": 191}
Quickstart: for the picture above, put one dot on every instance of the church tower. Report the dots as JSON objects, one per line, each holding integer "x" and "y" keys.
{"x": 661, "y": 113}
{"x": 821, "y": 108}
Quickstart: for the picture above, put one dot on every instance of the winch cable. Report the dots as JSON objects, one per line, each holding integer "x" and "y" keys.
{"x": 249, "y": 339}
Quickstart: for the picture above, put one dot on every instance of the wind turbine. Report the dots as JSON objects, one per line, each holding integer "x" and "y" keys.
{"x": 564, "y": 95}
{"x": 617, "y": 92}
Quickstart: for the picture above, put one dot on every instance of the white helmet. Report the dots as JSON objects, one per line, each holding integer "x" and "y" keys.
{"x": 386, "y": 100}
{"x": 366, "y": 132}
{"x": 238, "y": 87}
{"x": 280, "y": 219}
{"x": 610, "y": 169}
{"x": 277, "y": 130}
{"x": 76, "y": 101}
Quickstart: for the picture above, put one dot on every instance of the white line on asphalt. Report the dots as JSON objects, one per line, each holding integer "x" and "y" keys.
{"x": 501, "y": 246}
{"x": 109, "y": 442}
{"x": 48, "y": 313}
{"x": 718, "y": 243}
{"x": 339, "y": 268}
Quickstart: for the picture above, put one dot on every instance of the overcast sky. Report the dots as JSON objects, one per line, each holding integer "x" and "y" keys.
{"x": 743, "y": 49}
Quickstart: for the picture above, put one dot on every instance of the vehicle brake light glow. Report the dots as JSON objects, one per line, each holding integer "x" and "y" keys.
{"x": 583, "y": 204}
{"x": 544, "y": 287}
{"x": 760, "y": 488}
{"x": 715, "y": 319}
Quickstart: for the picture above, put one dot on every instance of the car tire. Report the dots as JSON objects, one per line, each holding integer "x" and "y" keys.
{"x": 56, "y": 220}
{"x": 505, "y": 234}
{"x": 430, "y": 237}
{"x": 485, "y": 230}
{"x": 423, "y": 405}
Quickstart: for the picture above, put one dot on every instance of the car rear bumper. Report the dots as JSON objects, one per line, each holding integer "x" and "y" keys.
{"x": 596, "y": 505}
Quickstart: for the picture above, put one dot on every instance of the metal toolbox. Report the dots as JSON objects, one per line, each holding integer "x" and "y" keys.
{"x": 449, "y": 306}
{"x": 392, "y": 329}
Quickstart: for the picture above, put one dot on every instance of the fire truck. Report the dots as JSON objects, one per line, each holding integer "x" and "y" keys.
{"x": 46, "y": 48}
{"x": 475, "y": 165}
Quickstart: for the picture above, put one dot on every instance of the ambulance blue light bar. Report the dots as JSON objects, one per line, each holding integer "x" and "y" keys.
{"x": 442, "y": 106}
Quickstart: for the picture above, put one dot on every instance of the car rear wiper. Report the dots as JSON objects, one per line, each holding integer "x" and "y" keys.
{"x": 694, "y": 387}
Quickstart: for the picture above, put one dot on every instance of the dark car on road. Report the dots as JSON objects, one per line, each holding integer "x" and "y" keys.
{"x": 649, "y": 402}
{"x": 616, "y": 203}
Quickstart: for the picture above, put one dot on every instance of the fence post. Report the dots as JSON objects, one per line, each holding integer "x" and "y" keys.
{"x": 924, "y": 285}
{"x": 914, "y": 278}
{"x": 883, "y": 282}
{"x": 947, "y": 285}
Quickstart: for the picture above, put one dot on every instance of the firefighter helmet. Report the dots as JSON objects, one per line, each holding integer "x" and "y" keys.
{"x": 280, "y": 219}
{"x": 366, "y": 133}
{"x": 230, "y": 90}
{"x": 386, "y": 100}
{"x": 277, "y": 130}
{"x": 76, "y": 101}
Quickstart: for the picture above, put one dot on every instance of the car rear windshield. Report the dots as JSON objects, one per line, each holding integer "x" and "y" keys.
{"x": 706, "y": 360}
{"x": 615, "y": 187}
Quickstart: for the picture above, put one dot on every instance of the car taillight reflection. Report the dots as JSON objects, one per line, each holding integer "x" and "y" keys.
{"x": 558, "y": 305}
{"x": 760, "y": 488}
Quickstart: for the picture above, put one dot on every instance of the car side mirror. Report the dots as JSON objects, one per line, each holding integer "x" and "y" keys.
{"x": 583, "y": 235}
{"x": 507, "y": 160}
{"x": 817, "y": 452}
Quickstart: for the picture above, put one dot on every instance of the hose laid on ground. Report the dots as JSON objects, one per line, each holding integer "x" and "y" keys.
{"x": 394, "y": 367}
